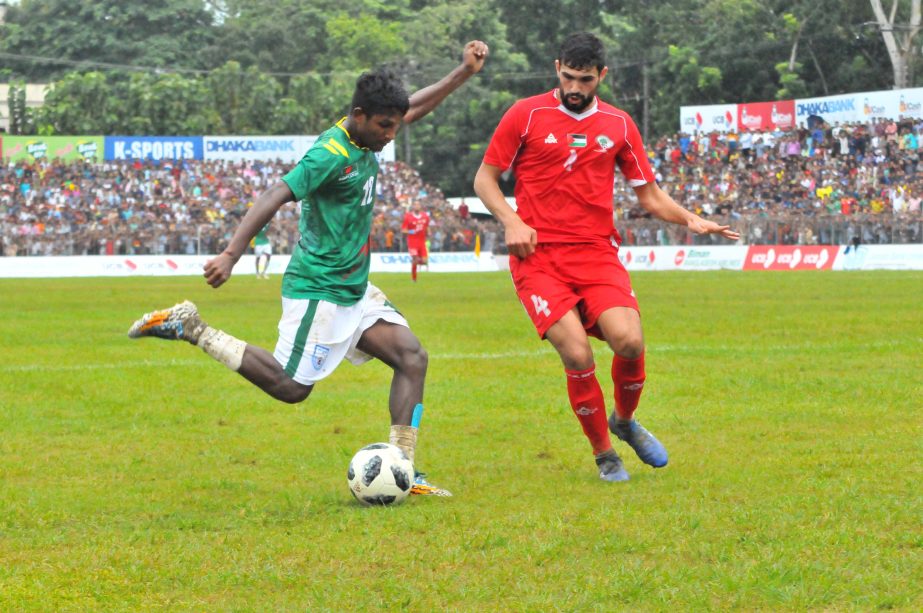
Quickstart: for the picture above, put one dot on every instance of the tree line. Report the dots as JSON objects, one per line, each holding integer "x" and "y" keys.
{"x": 288, "y": 66}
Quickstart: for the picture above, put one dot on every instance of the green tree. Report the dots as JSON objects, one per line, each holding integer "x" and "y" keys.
{"x": 160, "y": 33}
{"x": 357, "y": 42}
{"x": 80, "y": 103}
{"x": 243, "y": 99}
{"x": 165, "y": 104}
{"x": 21, "y": 116}
{"x": 277, "y": 36}
{"x": 447, "y": 146}
{"x": 899, "y": 29}
{"x": 689, "y": 81}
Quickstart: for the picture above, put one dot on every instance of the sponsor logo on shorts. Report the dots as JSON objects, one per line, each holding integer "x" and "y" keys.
{"x": 319, "y": 356}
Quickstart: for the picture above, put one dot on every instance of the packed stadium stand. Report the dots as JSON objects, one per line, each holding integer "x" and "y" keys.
{"x": 827, "y": 185}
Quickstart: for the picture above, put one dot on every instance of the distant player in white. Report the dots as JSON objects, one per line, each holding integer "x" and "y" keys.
{"x": 262, "y": 250}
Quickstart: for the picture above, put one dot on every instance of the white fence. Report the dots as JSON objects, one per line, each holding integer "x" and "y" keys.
{"x": 753, "y": 257}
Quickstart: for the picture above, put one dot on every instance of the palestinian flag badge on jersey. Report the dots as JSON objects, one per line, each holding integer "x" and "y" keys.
{"x": 576, "y": 140}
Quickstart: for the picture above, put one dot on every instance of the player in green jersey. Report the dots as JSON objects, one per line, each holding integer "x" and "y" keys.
{"x": 329, "y": 309}
{"x": 262, "y": 250}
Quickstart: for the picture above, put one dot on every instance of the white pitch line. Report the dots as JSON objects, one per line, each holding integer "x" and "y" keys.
{"x": 543, "y": 351}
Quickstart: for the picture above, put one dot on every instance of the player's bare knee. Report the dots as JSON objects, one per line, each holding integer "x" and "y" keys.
{"x": 291, "y": 392}
{"x": 414, "y": 361}
{"x": 577, "y": 357}
{"x": 629, "y": 348}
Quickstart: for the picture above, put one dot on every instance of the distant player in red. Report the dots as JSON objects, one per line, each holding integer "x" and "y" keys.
{"x": 563, "y": 147}
{"x": 415, "y": 226}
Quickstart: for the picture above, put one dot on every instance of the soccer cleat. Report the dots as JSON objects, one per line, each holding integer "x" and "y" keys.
{"x": 422, "y": 487}
{"x": 181, "y": 321}
{"x": 649, "y": 449}
{"x": 611, "y": 467}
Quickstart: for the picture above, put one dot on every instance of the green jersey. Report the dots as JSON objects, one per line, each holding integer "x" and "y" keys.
{"x": 335, "y": 182}
{"x": 261, "y": 237}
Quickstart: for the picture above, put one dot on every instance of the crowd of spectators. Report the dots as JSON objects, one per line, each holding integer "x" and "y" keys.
{"x": 827, "y": 184}
{"x": 820, "y": 185}
{"x": 190, "y": 207}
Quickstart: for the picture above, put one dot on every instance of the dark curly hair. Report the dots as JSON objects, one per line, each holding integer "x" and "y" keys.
{"x": 380, "y": 93}
{"x": 582, "y": 50}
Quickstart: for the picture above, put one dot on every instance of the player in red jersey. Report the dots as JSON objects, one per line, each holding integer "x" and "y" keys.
{"x": 415, "y": 226}
{"x": 563, "y": 147}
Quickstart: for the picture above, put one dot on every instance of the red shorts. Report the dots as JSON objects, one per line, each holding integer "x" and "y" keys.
{"x": 417, "y": 250}
{"x": 559, "y": 276}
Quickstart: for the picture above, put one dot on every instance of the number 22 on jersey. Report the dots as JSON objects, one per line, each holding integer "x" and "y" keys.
{"x": 368, "y": 191}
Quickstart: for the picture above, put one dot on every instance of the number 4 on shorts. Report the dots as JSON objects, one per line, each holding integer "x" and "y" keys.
{"x": 540, "y": 305}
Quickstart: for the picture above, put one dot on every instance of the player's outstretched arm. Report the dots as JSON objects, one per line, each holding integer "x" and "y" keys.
{"x": 425, "y": 100}
{"x": 520, "y": 238}
{"x": 661, "y": 205}
{"x": 218, "y": 269}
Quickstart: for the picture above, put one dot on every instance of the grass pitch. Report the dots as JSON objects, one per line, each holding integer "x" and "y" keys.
{"x": 142, "y": 475}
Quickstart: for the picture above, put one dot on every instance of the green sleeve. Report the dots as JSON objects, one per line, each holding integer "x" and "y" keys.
{"x": 315, "y": 168}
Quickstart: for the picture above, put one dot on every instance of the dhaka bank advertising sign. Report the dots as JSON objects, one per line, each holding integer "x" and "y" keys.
{"x": 250, "y": 148}
{"x": 287, "y": 149}
{"x": 862, "y": 107}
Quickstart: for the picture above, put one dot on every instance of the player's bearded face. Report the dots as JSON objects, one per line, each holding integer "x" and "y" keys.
{"x": 578, "y": 86}
{"x": 575, "y": 101}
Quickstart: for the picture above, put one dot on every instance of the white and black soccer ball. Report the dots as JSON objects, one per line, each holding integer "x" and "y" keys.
{"x": 380, "y": 474}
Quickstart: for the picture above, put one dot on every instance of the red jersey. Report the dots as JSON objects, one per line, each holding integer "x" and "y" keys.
{"x": 416, "y": 226}
{"x": 564, "y": 164}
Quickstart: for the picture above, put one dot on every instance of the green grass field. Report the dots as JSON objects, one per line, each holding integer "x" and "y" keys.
{"x": 142, "y": 475}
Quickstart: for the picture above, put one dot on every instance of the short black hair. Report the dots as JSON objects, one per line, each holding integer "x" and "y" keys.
{"x": 380, "y": 93}
{"x": 582, "y": 50}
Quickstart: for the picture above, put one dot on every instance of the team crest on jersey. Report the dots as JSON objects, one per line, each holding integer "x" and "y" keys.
{"x": 576, "y": 140}
{"x": 605, "y": 143}
{"x": 349, "y": 172}
{"x": 319, "y": 356}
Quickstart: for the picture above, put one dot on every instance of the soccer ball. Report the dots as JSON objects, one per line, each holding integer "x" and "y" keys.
{"x": 380, "y": 474}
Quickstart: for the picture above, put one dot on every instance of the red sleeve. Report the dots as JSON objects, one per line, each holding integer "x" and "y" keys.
{"x": 632, "y": 158}
{"x": 507, "y": 138}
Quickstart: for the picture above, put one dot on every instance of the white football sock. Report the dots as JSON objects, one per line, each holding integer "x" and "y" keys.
{"x": 223, "y": 347}
{"x": 404, "y": 437}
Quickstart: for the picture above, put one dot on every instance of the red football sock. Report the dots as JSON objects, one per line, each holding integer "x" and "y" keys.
{"x": 586, "y": 399}
{"x": 413, "y": 271}
{"x": 628, "y": 376}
